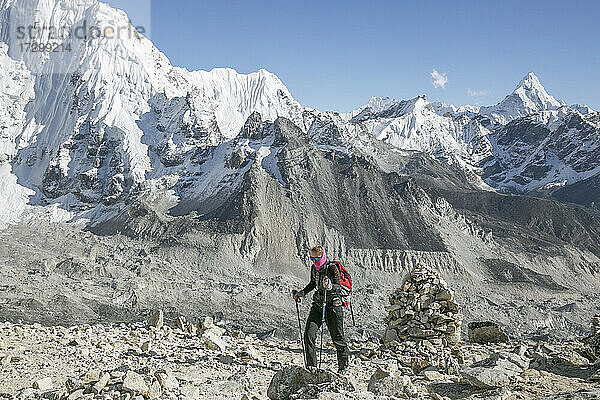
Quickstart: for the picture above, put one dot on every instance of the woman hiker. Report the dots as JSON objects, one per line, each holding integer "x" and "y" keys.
{"x": 325, "y": 278}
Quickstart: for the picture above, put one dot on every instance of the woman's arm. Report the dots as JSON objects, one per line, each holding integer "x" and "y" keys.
{"x": 311, "y": 284}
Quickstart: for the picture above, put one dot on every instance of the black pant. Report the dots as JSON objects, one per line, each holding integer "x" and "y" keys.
{"x": 334, "y": 317}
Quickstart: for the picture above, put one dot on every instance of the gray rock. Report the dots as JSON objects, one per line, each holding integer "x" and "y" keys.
{"x": 433, "y": 375}
{"x": 390, "y": 336}
{"x": 495, "y": 371}
{"x": 146, "y": 346}
{"x": 134, "y": 383}
{"x": 101, "y": 384}
{"x": 156, "y": 320}
{"x": 167, "y": 380}
{"x": 190, "y": 392}
{"x": 486, "y": 332}
{"x": 155, "y": 390}
{"x": 26, "y": 393}
{"x": 212, "y": 339}
{"x": 207, "y": 323}
{"x": 292, "y": 379}
{"x": 389, "y": 383}
{"x": 180, "y": 323}
{"x": 44, "y": 384}
{"x": 226, "y": 359}
{"x": 76, "y": 394}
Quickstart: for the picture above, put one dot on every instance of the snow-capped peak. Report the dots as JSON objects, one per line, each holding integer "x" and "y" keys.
{"x": 374, "y": 105}
{"x": 533, "y": 94}
{"x": 581, "y": 108}
{"x": 112, "y": 115}
{"x": 378, "y": 104}
{"x": 529, "y": 97}
{"x": 442, "y": 109}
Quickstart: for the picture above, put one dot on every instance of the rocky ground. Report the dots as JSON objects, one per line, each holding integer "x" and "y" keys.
{"x": 78, "y": 287}
{"x": 212, "y": 361}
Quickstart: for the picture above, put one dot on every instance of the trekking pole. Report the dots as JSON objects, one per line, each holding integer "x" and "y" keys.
{"x": 352, "y": 313}
{"x": 300, "y": 326}
{"x": 322, "y": 327}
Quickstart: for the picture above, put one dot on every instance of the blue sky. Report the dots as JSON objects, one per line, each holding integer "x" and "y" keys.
{"x": 335, "y": 55}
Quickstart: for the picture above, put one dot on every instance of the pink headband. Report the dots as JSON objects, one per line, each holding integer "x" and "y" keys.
{"x": 319, "y": 264}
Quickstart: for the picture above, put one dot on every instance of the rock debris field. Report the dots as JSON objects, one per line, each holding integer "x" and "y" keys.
{"x": 159, "y": 359}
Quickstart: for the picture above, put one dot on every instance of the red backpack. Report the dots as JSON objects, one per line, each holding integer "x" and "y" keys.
{"x": 345, "y": 283}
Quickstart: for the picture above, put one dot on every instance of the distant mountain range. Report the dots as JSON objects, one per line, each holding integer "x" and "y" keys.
{"x": 98, "y": 125}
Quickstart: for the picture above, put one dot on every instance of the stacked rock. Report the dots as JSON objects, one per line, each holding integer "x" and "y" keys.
{"x": 423, "y": 308}
{"x": 596, "y": 325}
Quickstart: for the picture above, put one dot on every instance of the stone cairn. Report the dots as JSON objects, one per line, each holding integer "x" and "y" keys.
{"x": 423, "y": 319}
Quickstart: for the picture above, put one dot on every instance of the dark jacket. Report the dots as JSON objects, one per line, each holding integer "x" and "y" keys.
{"x": 331, "y": 270}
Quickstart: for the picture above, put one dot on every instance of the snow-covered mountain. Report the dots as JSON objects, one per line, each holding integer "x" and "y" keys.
{"x": 498, "y": 142}
{"x": 16, "y": 89}
{"x": 111, "y": 119}
{"x": 547, "y": 150}
{"x": 528, "y": 98}
{"x": 103, "y": 113}
{"x": 415, "y": 125}
{"x": 443, "y": 109}
{"x": 374, "y": 105}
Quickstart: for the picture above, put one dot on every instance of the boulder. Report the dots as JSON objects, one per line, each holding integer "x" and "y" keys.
{"x": 212, "y": 339}
{"x": 135, "y": 383}
{"x": 155, "y": 390}
{"x": 496, "y": 371}
{"x": 292, "y": 379}
{"x": 207, "y": 323}
{"x": 180, "y": 323}
{"x": 167, "y": 380}
{"x": 388, "y": 382}
{"x": 486, "y": 332}
{"x": 146, "y": 346}
{"x": 101, "y": 383}
{"x": 190, "y": 392}
{"x": 390, "y": 335}
{"x": 433, "y": 375}
{"x": 43, "y": 385}
{"x": 76, "y": 394}
{"x": 156, "y": 320}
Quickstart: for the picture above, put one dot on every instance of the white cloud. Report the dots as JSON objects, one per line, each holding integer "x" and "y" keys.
{"x": 438, "y": 79}
{"x": 476, "y": 93}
